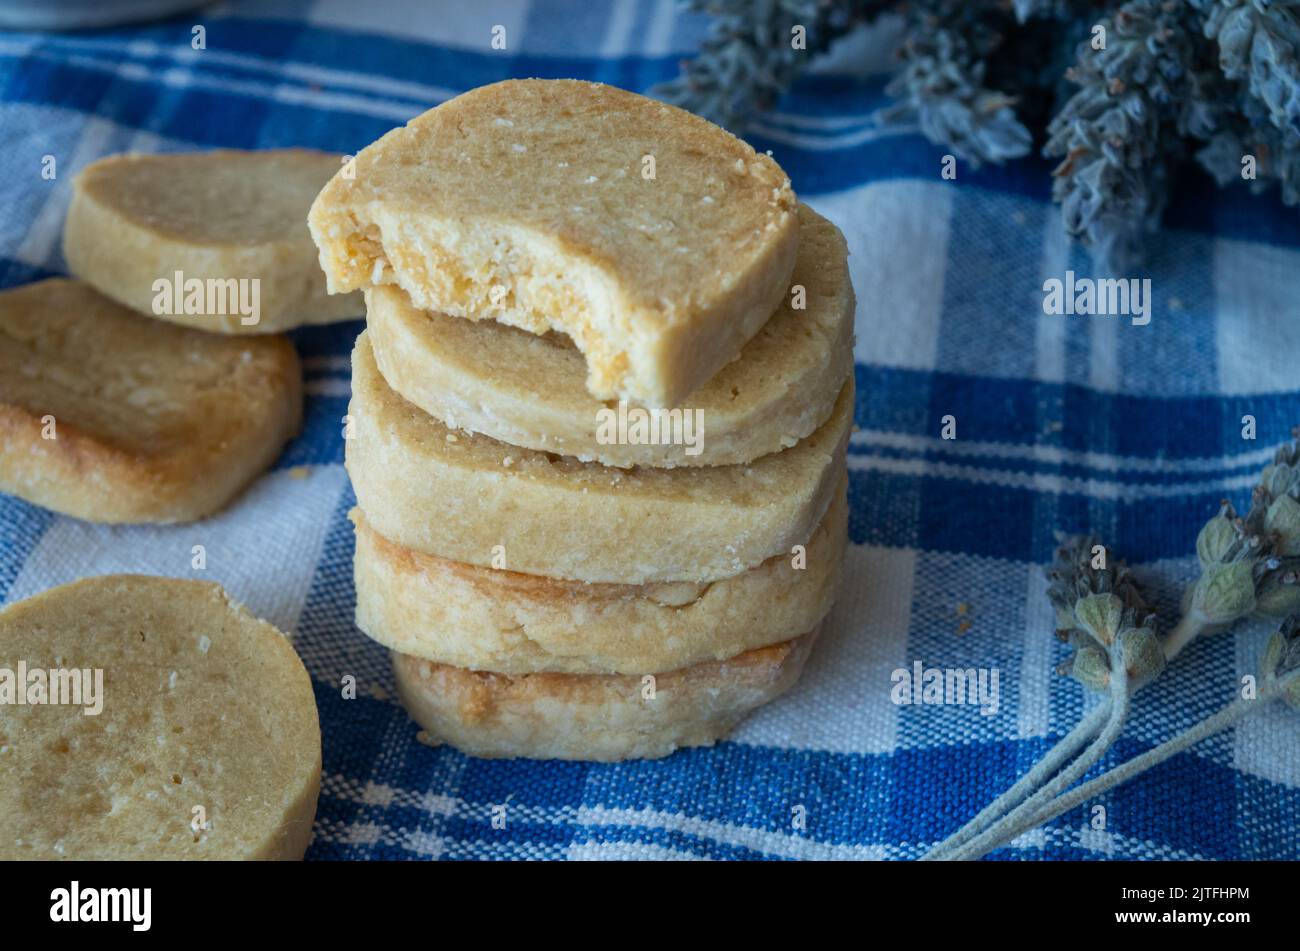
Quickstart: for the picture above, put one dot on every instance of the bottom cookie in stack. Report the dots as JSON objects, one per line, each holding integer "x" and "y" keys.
{"x": 602, "y": 717}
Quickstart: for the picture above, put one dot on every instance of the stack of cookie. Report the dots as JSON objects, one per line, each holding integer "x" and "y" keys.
{"x": 598, "y": 419}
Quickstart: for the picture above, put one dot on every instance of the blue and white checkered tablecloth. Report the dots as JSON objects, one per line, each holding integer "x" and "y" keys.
{"x": 1064, "y": 424}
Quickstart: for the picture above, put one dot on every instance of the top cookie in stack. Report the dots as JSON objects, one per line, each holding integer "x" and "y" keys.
{"x": 655, "y": 240}
{"x": 558, "y": 577}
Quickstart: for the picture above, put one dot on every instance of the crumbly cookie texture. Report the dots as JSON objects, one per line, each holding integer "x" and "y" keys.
{"x": 503, "y": 621}
{"x": 224, "y": 216}
{"x": 112, "y": 417}
{"x": 206, "y": 744}
{"x": 657, "y": 241}
{"x": 527, "y": 390}
{"x": 595, "y": 717}
{"x": 475, "y": 500}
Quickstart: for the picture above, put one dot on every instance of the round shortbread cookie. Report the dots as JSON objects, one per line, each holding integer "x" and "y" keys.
{"x": 112, "y": 417}
{"x": 657, "y": 241}
{"x": 205, "y": 745}
{"x": 594, "y": 716}
{"x": 215, "y": 217}
{"x": 527, "y": 390}
{"x": 478, "y": 501}
{"x": 502, "y": 621}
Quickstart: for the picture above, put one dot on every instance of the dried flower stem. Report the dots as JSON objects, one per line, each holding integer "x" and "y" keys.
{"x": 1025, "y": 816}
{"x": 1216, "y": 723}
{"x": 1068, "y": 746}
{"x": 1189, "y": 627}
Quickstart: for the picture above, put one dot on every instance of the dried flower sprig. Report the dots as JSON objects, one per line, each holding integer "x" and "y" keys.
{"x": 748, "y": 58}
{"x": 1259, "y": 43}
{"x": 1112, "y": 182}
{"x": 1170, "y": 79}
{"x": 1279, "y": 680}
{"x": 1100, "y": 612}
{"x": 1249, "y": 567}
{"x": 940, "y": 83}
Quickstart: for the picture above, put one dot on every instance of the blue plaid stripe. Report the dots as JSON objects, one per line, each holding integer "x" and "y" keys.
{"x": 1064, "y": 424}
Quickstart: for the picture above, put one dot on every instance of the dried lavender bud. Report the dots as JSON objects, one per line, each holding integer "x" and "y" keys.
{"x": 1281, "y": 476}
{"x": 1217, "y": 538}
{"x": 1077, "y": 571}
{"x": 1277, "y": 591}
{"x": 1282, "y": 657}
{"x": 941, "y": 85}
{"x": 1112, "y": 182}
{"x": 749, "y": 59}
{"x": 1144, "y": 658}
{"x": 1282, "y": 518}
{"x": 1258, "y": 42}
{"x": 1276, "y": 163}
{"x": 1251, "y": 565}
{"x": 1225, "y": 593}
{"x": 1089, "y": 666}
{"x": 1101, "y": 613}
{"x": 1277, "y": 497}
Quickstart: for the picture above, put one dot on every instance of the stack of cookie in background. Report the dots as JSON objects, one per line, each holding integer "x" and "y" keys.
{"x": 158, "y": 384}
{"x": 603, "y": 516}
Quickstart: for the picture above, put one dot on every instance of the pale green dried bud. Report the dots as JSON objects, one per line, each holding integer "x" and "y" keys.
{"x": 1282, "y": 657}
{"x": 1282, "y": 519}
{"x": 1278, "y": 594}
{"x": 1072, "y": 576}
{"x": 1251, "y": 564}
{"x": 1100, "y": 615}
{"x": 1216, "y": 537}
{"x": 1144, "y": 658}
{"x": 1225, "y": 593}
{"x": 1278, "y": 479}
{"x": 1093, "y": 604}
{"x": 1090, "y": 666}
